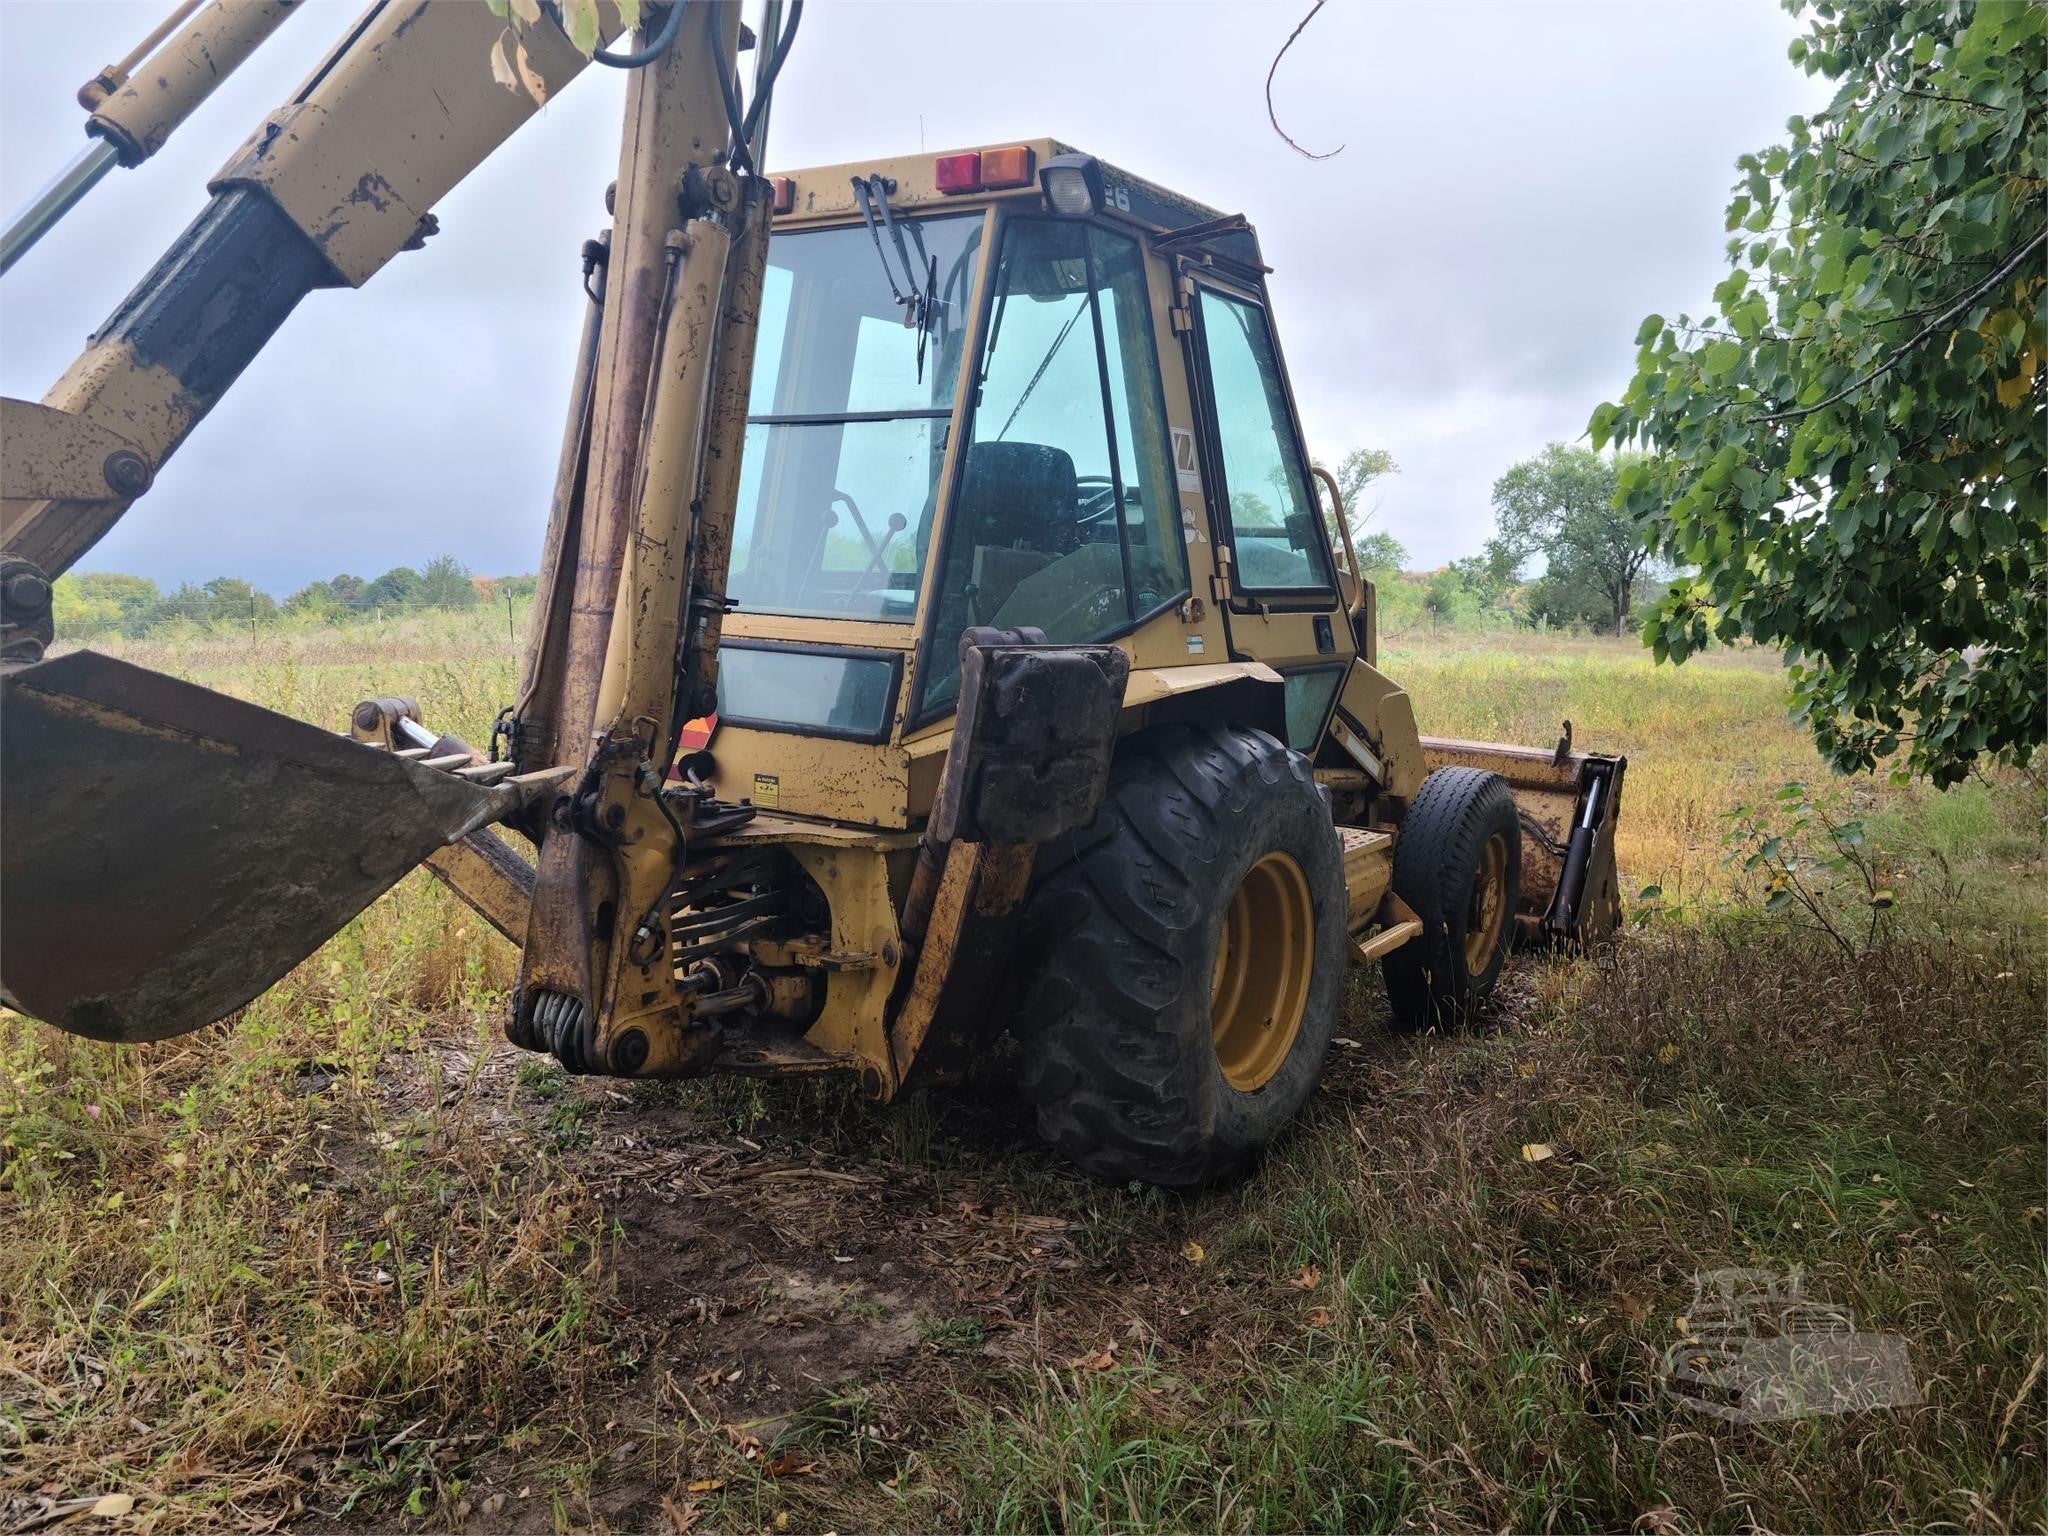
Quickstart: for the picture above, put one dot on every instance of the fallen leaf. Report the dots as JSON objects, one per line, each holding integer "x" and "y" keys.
{"x": 1667, "y": 1053}
{"x": 1525, "y": 1069}
{"x": 704, "y": 1485}
{"x": 111, "y": 1506}
{"x": 1309, "y": 1278}
{"x": 1537, "y": 1152}
{"x": 789, "y": 1464}
{"x": 1320, "y": 1318}
{"x": 1193, "y": 1252}
{"x": 781, "y": 1520}
{"x": 493, "y": 1504}
{"x": 1102, "y": 1360}
{"x": 681, "y": 1517}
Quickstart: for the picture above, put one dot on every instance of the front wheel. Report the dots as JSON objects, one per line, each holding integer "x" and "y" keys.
{"x": 1183, "y": 959}
{"x": 1458, "y": 864}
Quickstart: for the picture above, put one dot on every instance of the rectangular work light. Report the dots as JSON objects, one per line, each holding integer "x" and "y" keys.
{"x": 1072, "y": 185}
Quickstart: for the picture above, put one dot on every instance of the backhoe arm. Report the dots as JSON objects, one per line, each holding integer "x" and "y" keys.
{"x": 329, "y": 187}
{"x": 230, "y": 842}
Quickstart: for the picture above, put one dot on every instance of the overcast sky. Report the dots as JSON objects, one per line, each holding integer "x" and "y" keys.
{"x": 1519, "y": 185}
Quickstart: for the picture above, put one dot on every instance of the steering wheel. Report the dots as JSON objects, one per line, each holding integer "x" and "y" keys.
{"x": 1099, "y": 497}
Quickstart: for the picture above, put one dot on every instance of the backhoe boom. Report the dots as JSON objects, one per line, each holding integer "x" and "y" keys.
{"x": 330, "y": 186}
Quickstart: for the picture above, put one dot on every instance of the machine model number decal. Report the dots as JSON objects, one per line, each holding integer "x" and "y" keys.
{"x": 1185, "y": 469}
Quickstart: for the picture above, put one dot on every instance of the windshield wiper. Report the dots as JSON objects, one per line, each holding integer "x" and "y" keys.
{"x": 921, "y": 301}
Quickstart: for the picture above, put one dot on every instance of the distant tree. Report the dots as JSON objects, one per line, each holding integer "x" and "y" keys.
{"x": 445, "y": 583}
{"x": 317, "y": 600}
{"x": 1354, "y": 474}
{"x": 348, "y": 590}
{"x": 1381, "y": 551}
{"x": 1560, "y": 505}
{"x": 521, "y": 588}
{"x": 92, "y": 603}
{"x": 233, "y": 602}
{"x": 1441, "y": 599}
{"x": 1490, "y": 576}
{"x": 1850, "y": 456}
{"x": 394, "y": 592}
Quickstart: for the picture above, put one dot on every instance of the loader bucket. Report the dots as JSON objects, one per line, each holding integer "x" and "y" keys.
{"x": 1568, "y": 803}
{"x": 167, "y": 853}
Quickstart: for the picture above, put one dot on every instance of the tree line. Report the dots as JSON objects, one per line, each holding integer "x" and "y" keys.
{"x": 1561, "y": 556}
{"x": 94, "y": 604}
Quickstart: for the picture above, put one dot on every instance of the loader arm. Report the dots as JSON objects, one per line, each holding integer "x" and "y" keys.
{"x": 201, "y": 819}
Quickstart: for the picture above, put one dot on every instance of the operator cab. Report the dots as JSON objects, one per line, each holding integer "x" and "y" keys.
{"x": 970, "y": 406}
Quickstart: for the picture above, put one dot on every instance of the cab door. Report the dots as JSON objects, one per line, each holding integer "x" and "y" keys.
{"x": 1277, "y": 589}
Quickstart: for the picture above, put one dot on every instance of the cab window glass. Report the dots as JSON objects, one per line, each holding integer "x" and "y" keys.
{"x": 1272, "y": 518}
{"x": 778, "y": 687}
{"x": 847, "y": 417}
{"x": 1063, "y": 516}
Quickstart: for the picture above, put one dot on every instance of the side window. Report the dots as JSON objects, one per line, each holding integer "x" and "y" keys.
{"x": 1064, "y": 512}
{"x": 1272, "y": 518}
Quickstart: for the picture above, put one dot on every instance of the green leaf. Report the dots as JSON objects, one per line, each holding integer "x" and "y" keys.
{"x": 1730, "y": 288}
{"x": 579, "y": 19}
{"x": 1900, "y": 522}
{"x": 1719, "y": 357}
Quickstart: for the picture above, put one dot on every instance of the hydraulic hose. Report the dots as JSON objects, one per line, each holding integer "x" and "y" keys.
{"x": 640, "y": 58}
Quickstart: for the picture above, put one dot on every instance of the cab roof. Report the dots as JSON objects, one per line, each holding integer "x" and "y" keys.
{"x": 824, "y": 194}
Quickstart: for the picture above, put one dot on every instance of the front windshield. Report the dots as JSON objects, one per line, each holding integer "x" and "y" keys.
{"x": 847, "y": 420}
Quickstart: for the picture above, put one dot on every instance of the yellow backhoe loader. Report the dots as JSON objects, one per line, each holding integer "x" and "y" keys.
{"x": 939, "y": 629}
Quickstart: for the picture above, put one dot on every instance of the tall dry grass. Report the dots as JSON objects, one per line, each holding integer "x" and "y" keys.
{"x": 320, "y": 1260}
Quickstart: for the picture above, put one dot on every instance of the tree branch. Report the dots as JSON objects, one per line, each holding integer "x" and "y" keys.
{"x": 1898, "y": 353}
{"x": 1271, "y": 116}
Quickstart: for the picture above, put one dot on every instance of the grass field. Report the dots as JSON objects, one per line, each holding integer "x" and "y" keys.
{"x": 353, "y": 1263}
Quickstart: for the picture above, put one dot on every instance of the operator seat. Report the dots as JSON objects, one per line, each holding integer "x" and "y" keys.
{"x": 1015, "y": 512}
{"x": 1018, "y": 496}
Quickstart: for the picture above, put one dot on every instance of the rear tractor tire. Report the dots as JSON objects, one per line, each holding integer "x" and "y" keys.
{"x": 1458, "y": 863}
{"x": 1182, "y": 960}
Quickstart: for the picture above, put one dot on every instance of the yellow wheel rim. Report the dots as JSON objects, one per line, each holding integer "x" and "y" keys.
{"x": 1488, "y": 911}
{"x": 1264, "y": 959}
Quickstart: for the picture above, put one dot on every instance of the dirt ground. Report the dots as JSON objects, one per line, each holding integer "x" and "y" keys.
{"x": 781, "y": 1287}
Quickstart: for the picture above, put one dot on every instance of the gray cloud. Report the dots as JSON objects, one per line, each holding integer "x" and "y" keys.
{"x": 1520, "y": 184}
